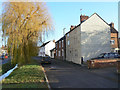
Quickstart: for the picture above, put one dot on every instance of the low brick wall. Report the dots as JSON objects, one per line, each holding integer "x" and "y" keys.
{"x": 100, "y": 63}
{"x": 118, "y": 66}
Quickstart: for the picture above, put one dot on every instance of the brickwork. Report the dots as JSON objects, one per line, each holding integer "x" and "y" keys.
{"x": 60, "y": 49}
{"x": 83, "y": 18}
{"x": 114, "y": 36}
{"x": 100, "y": 63}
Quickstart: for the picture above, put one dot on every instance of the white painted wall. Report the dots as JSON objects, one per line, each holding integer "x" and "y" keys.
{"x": 42, "y": 51}
{"x": 95, "y": 37}
{"x": 48, "y": 47}
{"x": 45, "y": 50}
{"x": 73, "y": 50}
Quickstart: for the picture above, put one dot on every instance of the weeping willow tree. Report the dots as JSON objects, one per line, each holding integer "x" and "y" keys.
{"x": 23, "y": 24}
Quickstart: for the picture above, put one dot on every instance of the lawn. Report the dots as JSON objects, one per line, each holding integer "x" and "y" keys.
{"x": 26, "y": 76}
{"x": 6, "y": 67}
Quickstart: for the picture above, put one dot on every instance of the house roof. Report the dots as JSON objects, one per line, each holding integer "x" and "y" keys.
{"x": 113, "y": 30}
{"x": 73, "y": 29}
{"x": 60, "y": 38}
{"x": 44, "y": 44}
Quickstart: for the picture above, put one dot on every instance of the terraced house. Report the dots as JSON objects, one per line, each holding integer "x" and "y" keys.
{"x": 114, "y": 38}
{"x": 87, "y": 40}
{"x": 60, "y": 47}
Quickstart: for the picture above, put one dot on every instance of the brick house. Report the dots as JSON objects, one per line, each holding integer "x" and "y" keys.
{"x": 114, "y": 38}
{"x": 60, "y": 48}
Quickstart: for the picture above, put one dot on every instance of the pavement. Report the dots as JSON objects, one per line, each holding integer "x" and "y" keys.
{"x": 62, "y": 74}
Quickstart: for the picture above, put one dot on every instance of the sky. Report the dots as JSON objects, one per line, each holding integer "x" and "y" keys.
{"x": 65, "y": 14}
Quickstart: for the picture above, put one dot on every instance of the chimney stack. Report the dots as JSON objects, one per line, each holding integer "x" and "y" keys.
{"x": 83, "y": 18}
{"x": 54, "y": 41}
{"x": 72, "y": 27}
{"x": 111, "y": 24}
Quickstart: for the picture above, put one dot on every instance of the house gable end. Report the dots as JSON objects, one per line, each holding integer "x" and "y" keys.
{"x": 97, "y": 22}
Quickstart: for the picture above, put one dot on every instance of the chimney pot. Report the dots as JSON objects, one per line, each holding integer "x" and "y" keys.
{"x": 54, "y": 41}
{"x": 72, "y": 27}
{"x": 83, "y": 18}
{"x": 111, "y": 24}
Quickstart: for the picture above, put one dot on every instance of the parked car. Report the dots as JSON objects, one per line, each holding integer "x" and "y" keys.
{"x": 46, "y": 59}
{"x": 107, "y": 55}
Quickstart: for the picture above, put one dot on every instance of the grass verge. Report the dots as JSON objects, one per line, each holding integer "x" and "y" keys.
{"x": 6, "y": 67}
{"x": 26, "y": 76}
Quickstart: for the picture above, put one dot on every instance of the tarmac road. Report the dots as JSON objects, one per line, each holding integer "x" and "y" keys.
{"x": 62, "y": 74}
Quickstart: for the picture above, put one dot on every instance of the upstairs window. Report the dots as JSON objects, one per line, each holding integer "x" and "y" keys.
{"x": 68, "y": 42}
{"x": 59, "y": 44}
{"x": 56, "y": 45}
{"x": 112, "y": 42}
{"x": 68, "y": 35}
{"x": 62, "y": 52}
{"x": 62, "y": 43}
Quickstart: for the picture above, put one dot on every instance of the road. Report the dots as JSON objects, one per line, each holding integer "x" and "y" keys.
{"x": 4, "y": 61}
{"x": 62, "y": 74}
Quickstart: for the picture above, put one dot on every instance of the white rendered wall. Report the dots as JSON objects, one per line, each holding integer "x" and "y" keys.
{"x": 48, "y": 47}
{"x": 73, "y": 50}
{"x": 95, "y": 37}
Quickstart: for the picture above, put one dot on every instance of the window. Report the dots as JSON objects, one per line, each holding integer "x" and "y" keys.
{"x": 62, "y": 52}
{"x": 62, "y": 43}
{"x": 68, "y": 42}
{"x": 59, "y": 53}
{"x": 56, "y": 52}
{"x": 68, "y": 35}
{"x": 56, "y": 45}
{"x": 59, "y": 44}
{"x": 112, "y": 42}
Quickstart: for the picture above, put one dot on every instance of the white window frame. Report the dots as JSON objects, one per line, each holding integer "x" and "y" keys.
{"x": 59, "y": 44}
{"x": 68, "y": 35}
{"x": 56, "y": 44}
{"x": 112, "y": 42}
{"x": 62, "y": 43}
{"x": 56, "y": 52}
{"x": 59, "y": 53}
{"x": 68, "y": 42}
{"x": 62, "y": 52}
